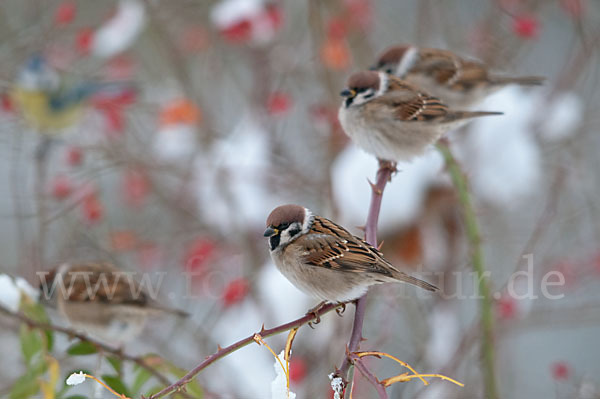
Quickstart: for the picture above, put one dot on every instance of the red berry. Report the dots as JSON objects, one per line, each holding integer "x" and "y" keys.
{"x": 336, "y": 28}
{"x": 198, "y": 253}
{"x": 526, "y": 27}
{"x": 274, "y": 15}
{"x": 92, "y": 208}
{"x": 84, "y": 39}
{"x": 506, "y": 307}
{"x": 61, "y": 187}
{"x": 65, "y": 13}
{"x": 560, "y": 371}
{"x": 238, "y": 32}
{"x": 335, "y": 54}
{"x": 74, "y": 156}
{"x": 114, "y": 121}
{"x": 278, "y": 103}
{"x": 235, "y": 292}
{"x": 297, "y": 369}
{"x": 7, "y": 103}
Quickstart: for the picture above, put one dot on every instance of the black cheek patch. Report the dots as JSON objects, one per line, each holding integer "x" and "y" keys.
{"x": 294, "y": 231}
{"x": 274, "y": 241}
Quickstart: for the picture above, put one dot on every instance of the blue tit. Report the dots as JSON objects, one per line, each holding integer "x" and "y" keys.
{"x": 45, "y": 104}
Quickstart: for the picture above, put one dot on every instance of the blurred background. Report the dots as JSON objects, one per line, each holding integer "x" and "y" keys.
{"x": 180, "y": 125}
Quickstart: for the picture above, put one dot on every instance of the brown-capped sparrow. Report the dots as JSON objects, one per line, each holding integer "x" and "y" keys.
{"x": 324, "y": 260}
{"x": 392, "y": 119}
{"x": 101, "y": 300}
{"x": 457, "y": 81}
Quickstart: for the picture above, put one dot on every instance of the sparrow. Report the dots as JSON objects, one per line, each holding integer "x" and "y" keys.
{"x": 101, "y": 300}
{"x": 324, "y": 260}
{"x": 458, "y": 81}
{"x": 392, "y": 119}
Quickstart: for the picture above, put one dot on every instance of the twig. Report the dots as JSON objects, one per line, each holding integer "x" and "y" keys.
{"x": 222, "y": 352}
{"x": 140, "y": 361}
{"x": 384, "y": 174}
{"x": 472, "y": 229}
{"x": 41, "y": 167}
{"x": 358, "y": 363}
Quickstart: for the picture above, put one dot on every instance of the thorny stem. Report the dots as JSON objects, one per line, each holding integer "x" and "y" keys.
{"x": 384, "y": 173}
{"x": 472, "y": 228}
{"x": 140, "y": 361}
{"x": 222, "y": 352}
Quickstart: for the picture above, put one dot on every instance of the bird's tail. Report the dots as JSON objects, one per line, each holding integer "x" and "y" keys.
{"x": 164, "y": 309}
{"x": 522, "y": 81}
{"x": 400, "y": 276}
{"x": 454, "y": 116}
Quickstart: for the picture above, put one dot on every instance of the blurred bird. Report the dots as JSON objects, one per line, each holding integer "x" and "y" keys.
{"x": 458, "y": 81}
{"x": 49, "y": 106}
{"x": 103, "y": 301}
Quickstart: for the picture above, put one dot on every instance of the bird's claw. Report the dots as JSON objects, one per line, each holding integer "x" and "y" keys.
{"x": 340, "y": 309}
{"x": 315, "y": 313}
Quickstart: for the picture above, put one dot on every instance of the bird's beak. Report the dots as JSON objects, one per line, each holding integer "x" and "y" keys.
{"x": 348, "y": 93}
{"x": 270, "y": 231}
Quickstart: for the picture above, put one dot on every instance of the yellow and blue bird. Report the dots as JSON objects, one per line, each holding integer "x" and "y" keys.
{"x": 49, "y": 106}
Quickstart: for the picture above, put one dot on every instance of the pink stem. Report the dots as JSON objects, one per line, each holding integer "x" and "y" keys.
{"x": 222, "y": 352}
{"x": 384, "y": 174}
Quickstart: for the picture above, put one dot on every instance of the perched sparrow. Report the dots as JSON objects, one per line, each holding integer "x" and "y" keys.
{"x": 324, "y": 260}
{"x": 392, "y": 119}
{"x": 101, "y": 300}
{"x": 459, "y": 82}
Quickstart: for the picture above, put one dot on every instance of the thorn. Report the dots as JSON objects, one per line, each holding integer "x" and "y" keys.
{"x": 361, "y": 228}
{"x": 362, "y": 339}
{"x": 219, "y": 348}
{"x": 262, "y": 329}
{"x": 375, "y": 189}
{"x": 380, "y": 245}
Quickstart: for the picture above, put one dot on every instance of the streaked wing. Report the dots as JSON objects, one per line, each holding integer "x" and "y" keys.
{"x": 406, "y": 103}
{"x": 441, "y": 65}
{"x": 333, "y": 247}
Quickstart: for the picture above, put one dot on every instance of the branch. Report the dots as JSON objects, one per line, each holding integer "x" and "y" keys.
{"x": 140, "y": 361}
{"x": 459, "y": 181}
{"x": 222, "y": 352}
{"x": 358, "y": 363}
{"x": 384, "y": 174}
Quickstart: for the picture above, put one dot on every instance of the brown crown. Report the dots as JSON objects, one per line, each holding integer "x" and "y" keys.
{"x": 286, "y": 214}
{"x": 364, "y": 80}
{"x": 392, "y": 55}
